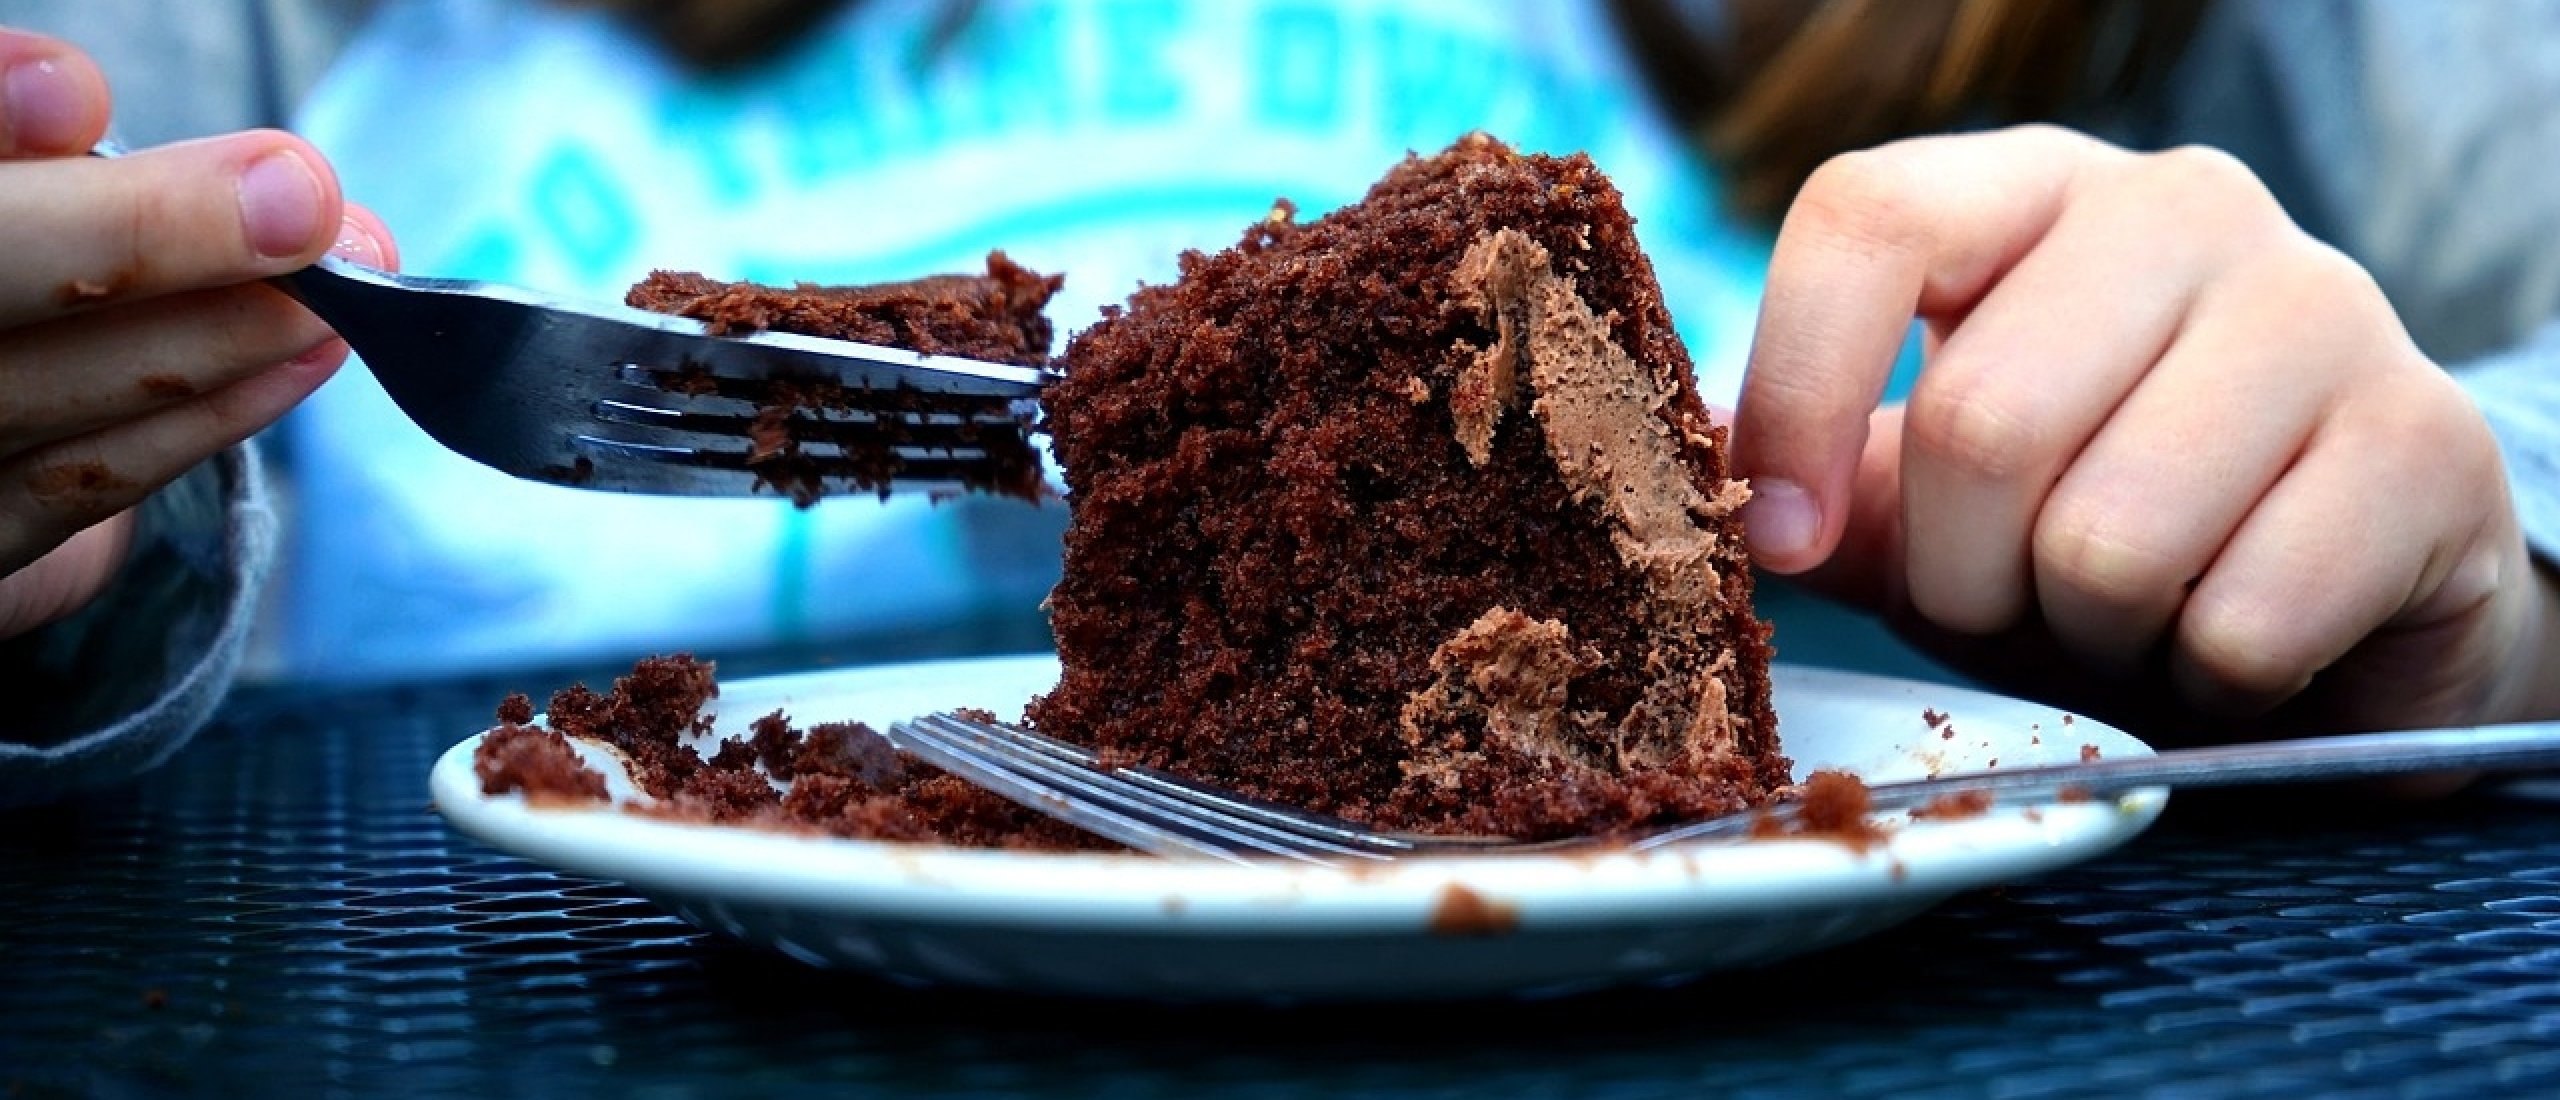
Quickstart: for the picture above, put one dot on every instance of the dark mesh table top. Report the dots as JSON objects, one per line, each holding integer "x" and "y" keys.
{"x": 278, "y": 913}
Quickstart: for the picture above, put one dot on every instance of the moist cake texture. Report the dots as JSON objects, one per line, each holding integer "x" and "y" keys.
{"x": 1412, "y": 514}
{"x": 997, "y": 317}
{"x": 843, "y": 778}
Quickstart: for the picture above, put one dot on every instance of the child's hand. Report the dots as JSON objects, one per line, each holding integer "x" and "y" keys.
{"x": 135, "y": 340}
{"x": 2170, "y": 459}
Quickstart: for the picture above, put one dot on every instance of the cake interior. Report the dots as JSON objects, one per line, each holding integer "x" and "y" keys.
{"x": 1412, "y": 514}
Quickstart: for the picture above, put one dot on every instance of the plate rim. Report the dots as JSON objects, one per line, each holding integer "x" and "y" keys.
{"x": 1919, "y": 863}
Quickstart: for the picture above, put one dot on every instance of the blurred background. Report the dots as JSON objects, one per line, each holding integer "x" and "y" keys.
{"x": 574, "y": 147}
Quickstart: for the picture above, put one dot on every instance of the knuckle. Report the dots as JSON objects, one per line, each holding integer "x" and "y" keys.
{"x": 2208, "y": 192}
{"x": 1973, "y": 434}
{"x": 1867, "y": 197}
{"x": 2202, "y": 170}
{"x": 2241, "y": 650}
{"x": 2336, "y": 279}
{"x": 2079, "y": 549}
{"x": 2434, "y": 425}
{"x": 2060, "y": 142}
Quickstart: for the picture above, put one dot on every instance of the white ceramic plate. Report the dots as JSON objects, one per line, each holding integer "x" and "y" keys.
{"x": 1127, "y": 925}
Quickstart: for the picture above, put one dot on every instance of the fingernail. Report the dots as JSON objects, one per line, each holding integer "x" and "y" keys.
{"x": 324, "y": 351}
{"x": 280, "y": 205}
{"x": 44, "y": 107}
{"x": 357, "y": 243}
{"x": 1779, "y": 521}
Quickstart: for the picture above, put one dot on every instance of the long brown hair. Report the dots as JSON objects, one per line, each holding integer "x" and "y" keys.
{"x": 721, "y": 34}
{"x": 1773, "y": 88}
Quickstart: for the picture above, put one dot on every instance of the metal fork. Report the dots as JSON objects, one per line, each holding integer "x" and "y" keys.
{"x": 620, "y": 399}
{"x": 1169, "y": 816}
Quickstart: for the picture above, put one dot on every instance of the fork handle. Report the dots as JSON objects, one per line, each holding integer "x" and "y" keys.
{"x": 2521, "y": 746}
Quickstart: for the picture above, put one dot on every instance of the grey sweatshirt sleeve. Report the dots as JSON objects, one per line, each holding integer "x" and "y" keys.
{"x": 2519, "y": 391}
{"x": 122, "y": 684}
{"x": 118, "y": 687}
{"x": 2424, "y": 140}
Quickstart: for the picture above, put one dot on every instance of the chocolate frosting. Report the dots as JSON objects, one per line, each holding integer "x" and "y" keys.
{"x": 1602, "y": 415}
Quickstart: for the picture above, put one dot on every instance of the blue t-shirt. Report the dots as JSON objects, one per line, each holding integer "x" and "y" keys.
{"x": 556, "y": 149}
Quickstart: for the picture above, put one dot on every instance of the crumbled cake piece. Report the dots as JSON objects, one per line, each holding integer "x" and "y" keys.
{"x": 1413, "y": 515}
{"x": 842, "y": 778}
{"x": 538, "y": 762}
{"x": 515, "y": 710}
{"x": 1954, "y": 807}
{"x": 996, "y": 317}
{"x": 1830, "y": 805}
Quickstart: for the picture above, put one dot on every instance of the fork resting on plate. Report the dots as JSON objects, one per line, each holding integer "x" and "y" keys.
{"x": 1170, "y": 816}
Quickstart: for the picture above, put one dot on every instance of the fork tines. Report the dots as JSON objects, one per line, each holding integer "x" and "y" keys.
{"x": 1145, "y": 810}
{"x": 805, "y": 436}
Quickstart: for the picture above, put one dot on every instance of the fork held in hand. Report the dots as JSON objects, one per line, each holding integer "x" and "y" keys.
{"x": 614, "y": 398}
{"x": 1168, "y": 816}
{"x": 604, "y": 397}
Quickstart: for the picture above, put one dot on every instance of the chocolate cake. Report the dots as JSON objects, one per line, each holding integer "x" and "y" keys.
{"x": 1413, "y": 514}
{"x": 996, "y": 317}
{"x": 1410, "y": 514}
{"x": 844, "y": 779}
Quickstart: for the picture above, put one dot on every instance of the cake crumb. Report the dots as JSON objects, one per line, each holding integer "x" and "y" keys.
{"x": 1932, "y": 717}
{"x": 846, "y": 780}
{"x": 1463, "y": 912}
{"x": 1831, "y": 805}
{"x": 1954, "y": 807}
{"x": 515, "y": 710}
{"x": 2088, "y": 753}
{"x": 537, "y": 762}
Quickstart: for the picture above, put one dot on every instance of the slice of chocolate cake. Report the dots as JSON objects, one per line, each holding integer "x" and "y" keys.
{"x": 1413, "y": 514}
{"x": 996, "y": 317}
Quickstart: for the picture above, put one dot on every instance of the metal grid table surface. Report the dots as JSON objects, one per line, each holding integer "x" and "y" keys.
{"x": 277, "y": 912}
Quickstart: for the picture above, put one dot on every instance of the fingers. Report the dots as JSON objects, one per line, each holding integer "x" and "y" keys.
{"x": 2277, "y": 606}
{"x": 1920, "y": 228}
{"x": 74, "y": 375}
{"x": 53, "y": 100}
{"x": 66, "y": 578}
{"x": 83, "y": 232}
{"x": 79, "y": 374}
{"x": 364, "y": 238}
{"x": 2148, "y": 504}
{"x": 2038, "y": 366}
{"x": 53, "y": 492}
